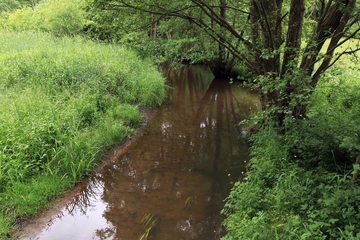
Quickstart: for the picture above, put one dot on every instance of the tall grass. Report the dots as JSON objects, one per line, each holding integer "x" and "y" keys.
{"x": 63, "y": 101}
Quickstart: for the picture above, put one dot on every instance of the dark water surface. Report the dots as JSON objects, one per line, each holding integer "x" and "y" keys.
{"x": 171, "y": 182}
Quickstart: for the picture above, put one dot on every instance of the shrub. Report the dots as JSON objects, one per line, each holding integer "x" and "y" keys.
{"x": 299, "y": 183}
{"x": 60, "y": 17}
{"x": 282, "y": 200}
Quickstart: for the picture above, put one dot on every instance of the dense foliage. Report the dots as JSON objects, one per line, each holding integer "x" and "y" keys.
{"x": 299, "y": 183}
{"x": 60, "y": 17}
{"x": 10, "y": 5}
{"x": 63, "y": 101}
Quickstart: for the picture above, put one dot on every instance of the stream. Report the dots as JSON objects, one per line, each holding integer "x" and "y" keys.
{"x": 171, "y": 181}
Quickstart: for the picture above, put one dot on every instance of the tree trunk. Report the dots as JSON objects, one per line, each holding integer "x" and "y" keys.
{"x": 219, "y": 65}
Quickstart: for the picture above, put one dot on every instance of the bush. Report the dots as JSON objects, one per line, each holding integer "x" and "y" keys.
{"x": 10, "y": 5}
{"x": 60, "y": 17}
{"x": 282, "y": 200}
{"x": 299, "y": 183}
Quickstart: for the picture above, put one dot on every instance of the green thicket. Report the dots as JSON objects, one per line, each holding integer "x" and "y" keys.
{"x": 60, "y": 17}
{"x": 299, "y": 182}
{"x": 63, "y": 101}
{"x": 9, "y": 5}
{"x": 165, "y": 39}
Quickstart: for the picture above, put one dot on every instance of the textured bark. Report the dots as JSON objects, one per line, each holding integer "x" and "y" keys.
{"x": 293, "y": 37}
{"x": 291, "y": 53}
{"x": 266, "y": 34}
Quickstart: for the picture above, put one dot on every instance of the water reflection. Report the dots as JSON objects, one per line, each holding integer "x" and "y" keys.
{"x": 171, "y": 183}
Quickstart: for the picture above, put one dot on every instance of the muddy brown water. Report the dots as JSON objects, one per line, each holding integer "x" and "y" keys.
{"x": 171, "y": 182}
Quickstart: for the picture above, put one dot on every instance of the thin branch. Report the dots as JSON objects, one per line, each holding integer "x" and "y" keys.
{"x": 334, "y": 42}
{"x": 216, "y": 36}
{"x": 222, "y": 22}
{"x": 341, "y": 54}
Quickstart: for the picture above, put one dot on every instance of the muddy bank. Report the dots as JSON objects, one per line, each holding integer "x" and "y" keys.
{"x": 32, "y": 227}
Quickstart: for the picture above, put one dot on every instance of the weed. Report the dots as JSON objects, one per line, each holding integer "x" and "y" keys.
{"x": 149, "y": 222}
{"x": 189, "y": 202}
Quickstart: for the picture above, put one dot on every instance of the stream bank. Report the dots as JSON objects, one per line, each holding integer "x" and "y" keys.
{"x": 170, "y": 182}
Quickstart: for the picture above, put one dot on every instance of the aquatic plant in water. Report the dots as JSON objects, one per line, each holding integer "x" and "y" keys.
{"x": 149, "y": 222}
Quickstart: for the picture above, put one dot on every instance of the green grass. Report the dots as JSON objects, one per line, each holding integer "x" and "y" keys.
{"x": 64, "y": 100}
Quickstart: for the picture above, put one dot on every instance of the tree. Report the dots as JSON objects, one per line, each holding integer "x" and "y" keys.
{"x": 268, "y": 36}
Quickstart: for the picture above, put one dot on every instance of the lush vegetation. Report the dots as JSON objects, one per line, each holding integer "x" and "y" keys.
{"x": 64, "y": 100}
{"x": 60, "y": 17}
{"x": 299, "y": 183}
{"x": 299, "y": 180}
{"x": 263, "y": 35}
{"x": 10, "y": 5}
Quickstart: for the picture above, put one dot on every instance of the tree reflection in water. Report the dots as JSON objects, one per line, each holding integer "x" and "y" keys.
{"x": 85, "y": 197}
{"x": 178, "y": 170}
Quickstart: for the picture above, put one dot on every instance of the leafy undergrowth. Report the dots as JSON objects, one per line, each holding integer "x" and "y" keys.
{"x": 299, "y": 183}
{"x": 64, "y": 100}
{"x": 60, "y": 17}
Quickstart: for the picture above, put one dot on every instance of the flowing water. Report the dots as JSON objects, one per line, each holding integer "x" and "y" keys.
{"x": 171, "y": 182}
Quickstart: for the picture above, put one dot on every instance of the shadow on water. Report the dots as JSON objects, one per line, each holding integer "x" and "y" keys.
{"x": 172, "y": 181}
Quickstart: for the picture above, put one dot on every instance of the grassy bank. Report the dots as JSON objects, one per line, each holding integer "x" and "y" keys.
{"x": 63, "y": 102}
{"x": 299, "y": 183}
